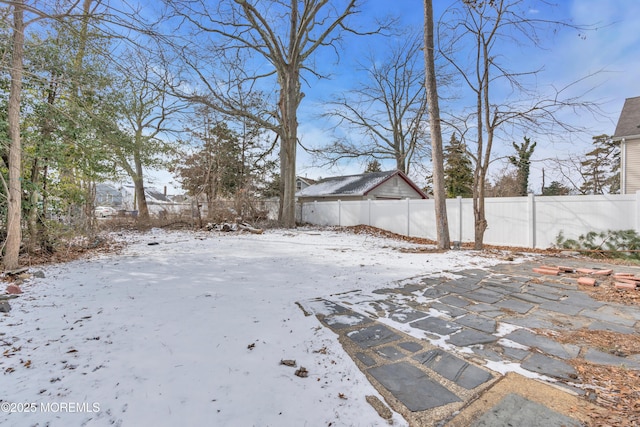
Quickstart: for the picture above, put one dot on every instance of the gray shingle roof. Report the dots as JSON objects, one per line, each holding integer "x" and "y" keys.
{"x": 629, "y": 121}
{"x": 352, "y": 185}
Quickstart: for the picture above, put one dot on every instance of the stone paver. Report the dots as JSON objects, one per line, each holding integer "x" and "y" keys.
{"x": 529, "y": 297}
{"x": 550, "y": 367}
{"x": 347, "y": 320}
{"x": 607, "y": 313}
{"x": 613, "y": 327}
{"x": 545, "y": 295}
{"x": 549, "y": 346}
{"x": 514, "y": 353}
{"x": 366, "y": 359}
{"x": 436, "y": 325}
{"x": 469, "y": 337}
{"x": 373, "y": 336}
{"x": 406, "y": 315}
{"x": 468, "y": 283}
{"x": 448, "y": 309}
{"x": 454, "y": 369}
{"x": 512, "y": 304}
{"x": 455, "y": 300}
{"x": 412, "y": 386}
{"x": 480, "y": 323}
{"x": 435, "y": 292}
{"x": 473, "y": 305}
{"x": 484, "y": 295}
{"x": 515, "y": 410}
{"x": 532, "y": 320}
{"x": 561, "y": 307}
{"x": 602, "y": 358}
{"x": 411, "y": 346}
{"x": 390, "y": 352}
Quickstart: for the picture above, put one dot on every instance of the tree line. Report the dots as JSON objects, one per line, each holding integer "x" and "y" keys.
{"x": 213, "y": 91}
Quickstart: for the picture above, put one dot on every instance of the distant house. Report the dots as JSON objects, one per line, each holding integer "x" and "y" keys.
{"x": 158, "y": 202}
{"x": 302, "y": 183}
{"x": 390, "y": 185}
{"x": 108, "y": 195}
{"x": 628, "y": 133}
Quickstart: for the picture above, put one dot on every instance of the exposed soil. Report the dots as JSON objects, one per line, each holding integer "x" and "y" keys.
{"x": 615, "y": 388}
{"x": 373, "y": 231}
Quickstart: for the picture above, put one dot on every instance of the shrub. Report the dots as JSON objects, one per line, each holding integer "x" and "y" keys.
{"x": 623, "y": 244}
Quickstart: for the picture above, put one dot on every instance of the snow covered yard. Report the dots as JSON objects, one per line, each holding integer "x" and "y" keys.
{"x": 191, "y": 330}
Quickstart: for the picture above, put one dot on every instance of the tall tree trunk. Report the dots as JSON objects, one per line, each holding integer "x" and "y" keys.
{"x": 483, "y": 155}
{"x": 14, "y": 212}
{"x": 400, "y": 165}
{"x": 35, "y": 224}
{"x": 437, "y": 155}
{"x": 34, "y": 198}
{"x": 289, "y": 100}
{"x": 138, "y": 182}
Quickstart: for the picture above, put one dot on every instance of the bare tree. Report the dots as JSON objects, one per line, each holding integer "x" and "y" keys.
{"x": 437, "y": 154}
{"x": 284, "y": 34}
{"x": 387, "y": 110}
{"x": 472, "y": 35}
{"x": 147, "y": 111}
{"x": 506, "y": 184}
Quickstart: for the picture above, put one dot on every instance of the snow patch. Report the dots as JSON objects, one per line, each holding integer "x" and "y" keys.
{"x": 505, "y": 329}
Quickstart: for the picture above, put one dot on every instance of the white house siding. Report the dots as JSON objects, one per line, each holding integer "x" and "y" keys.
{"x": 395, "y": 188}
{"x": 632, "y": 167}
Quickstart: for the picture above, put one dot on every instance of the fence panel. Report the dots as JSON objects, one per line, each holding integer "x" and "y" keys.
{"x": 390, "y": 215}
{"x": 320, "y": 213}
{"x": 533, "y": 222}
{"x": 508, "y": 221}
{"x": 353, "y": 213}
{"x": 576, "y": 215}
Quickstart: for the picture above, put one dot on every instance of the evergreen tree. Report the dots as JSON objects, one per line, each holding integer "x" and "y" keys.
{"x": 601, "y": 168}
{"x": 214, "y": 170}
{"x": 373, "y": 166}
{"x": 458, "y": 171}
{"x": 522, "y": 161}
{"x": 555, "y": 189}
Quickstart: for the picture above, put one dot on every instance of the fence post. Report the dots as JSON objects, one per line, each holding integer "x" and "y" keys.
{"x": 638, "y": 211}
{"x": 459, "y": 198}
{"x": 339, "y": 213}
{"x": 369, "y": 212}
{"x": 408, "y": 217}
{"x": 531, "y": 210}
{"x": 315, "y": 212}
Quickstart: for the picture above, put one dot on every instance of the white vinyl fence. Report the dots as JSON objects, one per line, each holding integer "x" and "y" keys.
{"x": 530, "y": 222}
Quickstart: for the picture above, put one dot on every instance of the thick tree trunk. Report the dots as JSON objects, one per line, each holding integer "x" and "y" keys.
{"x": 400, "y": 165}
{"x": 141, "y": 198}
{"x": 480, "y": 221}
{"x": 289, "y": 100}
{"x": 437, "y": 155}
{"x": 14, "y": 212}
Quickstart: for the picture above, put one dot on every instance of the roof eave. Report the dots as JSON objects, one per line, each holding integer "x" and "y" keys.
{"x": 621, "y": 137}
{"x": 405, "y": 178}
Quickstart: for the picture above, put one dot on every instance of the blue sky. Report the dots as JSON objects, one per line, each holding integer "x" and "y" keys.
{"x": 612, "y": 51}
